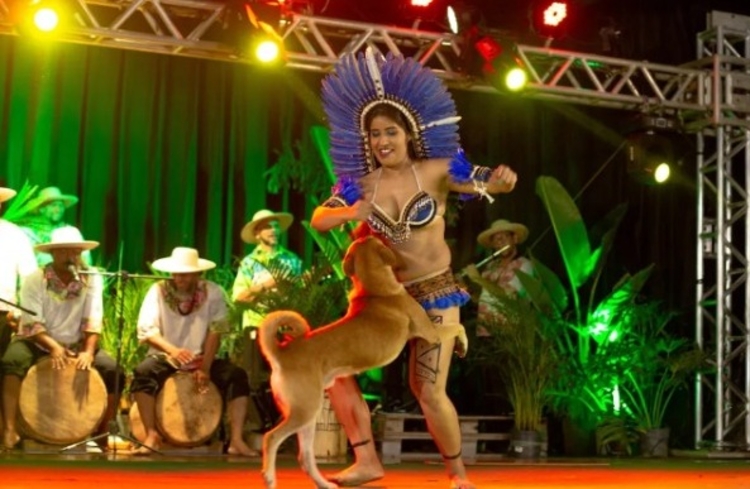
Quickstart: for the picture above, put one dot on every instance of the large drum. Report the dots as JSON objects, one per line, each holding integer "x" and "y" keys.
{"x": 184, "y": 416}
{"x": 61, "y": 406}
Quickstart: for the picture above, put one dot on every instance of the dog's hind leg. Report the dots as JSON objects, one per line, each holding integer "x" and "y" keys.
{"x": 271, "y": 443}
{"x": 306, "y": 438}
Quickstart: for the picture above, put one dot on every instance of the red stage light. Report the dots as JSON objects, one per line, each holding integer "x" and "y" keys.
{"x": 550, "y": 19}
{"x": 421, "y": 3}
{"x": 555, "y": 13}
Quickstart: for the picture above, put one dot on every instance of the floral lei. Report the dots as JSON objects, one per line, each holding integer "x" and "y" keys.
{"x": 58, "y": 288}
{"x": 180, "y": 305}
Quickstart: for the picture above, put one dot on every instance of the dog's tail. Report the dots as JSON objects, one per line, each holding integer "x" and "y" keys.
{"x": 279, "y": 328}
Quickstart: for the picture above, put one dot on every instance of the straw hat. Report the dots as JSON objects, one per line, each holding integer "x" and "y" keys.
{"x": 183, "y": 260}
{"x": 248, "y": 231}
{"x": 66, "y": 237}
{"x": 53, "y": 194}
{"x": 6, "y": 194}
{"x": 521, "y": 232}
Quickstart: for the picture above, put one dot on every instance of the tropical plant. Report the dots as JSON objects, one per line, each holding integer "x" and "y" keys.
{"x": 659, "y": 366}
{"x": 122, "y": 302}
{"x": 22, "y": 205}
{"x": 523, "y": 352}
{"x": 586, "y": 320}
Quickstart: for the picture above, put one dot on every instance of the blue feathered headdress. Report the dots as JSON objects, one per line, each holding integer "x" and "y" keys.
{"x": 361, "y": 82}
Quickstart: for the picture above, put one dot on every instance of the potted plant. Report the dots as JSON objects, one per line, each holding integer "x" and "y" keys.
{"x": 659, "y": 365}
{"x": 525, "y": 355}
{"x": 585, "y": 319}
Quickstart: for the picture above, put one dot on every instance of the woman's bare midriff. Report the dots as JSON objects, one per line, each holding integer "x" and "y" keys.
{"x": 424, "y": 253}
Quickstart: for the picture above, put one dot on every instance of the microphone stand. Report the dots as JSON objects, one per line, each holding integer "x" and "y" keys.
{"x": 115, "y": 428}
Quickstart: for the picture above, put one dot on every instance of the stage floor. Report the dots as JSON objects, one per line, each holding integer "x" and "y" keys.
{"x": 20, "y": 471}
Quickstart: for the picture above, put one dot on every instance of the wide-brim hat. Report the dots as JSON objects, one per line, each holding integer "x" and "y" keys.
{"x": 248, "y": 231}
{"x": 183, "y": 260}
{"x": 521, "y": 232}
{"x": 6, "y": 194}
{"x": 66, "y": 237}
{"x": 53, "y": 194}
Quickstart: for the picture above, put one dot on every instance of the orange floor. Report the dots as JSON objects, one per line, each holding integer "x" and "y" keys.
{"x": 81, "y": 471}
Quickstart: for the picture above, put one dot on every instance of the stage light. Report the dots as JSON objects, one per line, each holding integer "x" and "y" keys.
{"x": 650, "y": 156}
{"x": 421, "y": 3}
{"x": 46, "y": 19}
{"x": 501, "y": 65}
{"x": 461, "y": 17}
{"x": 267, "y": 51}
{"x": 550, "y": 19}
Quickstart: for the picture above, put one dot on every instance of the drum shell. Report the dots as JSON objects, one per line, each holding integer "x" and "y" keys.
{"x": 184, "y": 417}
{"x": 61, "y": 406}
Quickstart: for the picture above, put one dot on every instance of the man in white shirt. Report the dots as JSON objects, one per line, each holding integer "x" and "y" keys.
{"x": 16, "y": 262}
{"x": 182, "y": 320}
{"x": 66, "y": 325}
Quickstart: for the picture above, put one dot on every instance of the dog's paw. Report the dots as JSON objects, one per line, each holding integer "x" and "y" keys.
{"x": 270, "y": 480}
{"x": 461, "y": 346}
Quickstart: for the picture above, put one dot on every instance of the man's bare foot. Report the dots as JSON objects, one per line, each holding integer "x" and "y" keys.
{"x": 239, "y": 447}
{"x": 10, "y": 440}
{"x": 461, "y": 483}
{"x": 357, "y": 475}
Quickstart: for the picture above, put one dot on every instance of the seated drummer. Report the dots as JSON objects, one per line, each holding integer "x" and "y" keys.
{"x": 66, "y": 327}
{"x": 182, "y": 319}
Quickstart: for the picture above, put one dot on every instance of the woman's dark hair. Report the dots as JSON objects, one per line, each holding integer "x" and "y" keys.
{"x": 392, "y": 113}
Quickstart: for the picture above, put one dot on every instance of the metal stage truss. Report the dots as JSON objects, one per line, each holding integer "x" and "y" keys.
{"x": 711, "y": 97}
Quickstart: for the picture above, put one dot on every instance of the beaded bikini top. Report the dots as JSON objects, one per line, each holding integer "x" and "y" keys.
{"x": 418, "y": 212}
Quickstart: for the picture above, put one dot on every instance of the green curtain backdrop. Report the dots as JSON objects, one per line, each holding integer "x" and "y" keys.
{"x": 162, "y": 150}
{"x": 166, "y": 151}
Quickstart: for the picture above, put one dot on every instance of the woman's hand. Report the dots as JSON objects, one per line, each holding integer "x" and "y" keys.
{"x": 502, "y": 180}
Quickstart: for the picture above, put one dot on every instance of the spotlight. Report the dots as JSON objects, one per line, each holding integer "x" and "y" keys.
{"x": 550, "y": 19}
{"x": 501, "y": 64}
{"x": 46, "y": 19}
{"x": 650, "y": 156}
{"x": 267, "y": 43}
{"x": 461, "y": 17}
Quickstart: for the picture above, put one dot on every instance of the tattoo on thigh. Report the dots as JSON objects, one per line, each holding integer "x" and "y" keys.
{"x": 427, "y": 361}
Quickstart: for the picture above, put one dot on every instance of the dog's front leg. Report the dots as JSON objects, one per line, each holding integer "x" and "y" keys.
{"x": 306, "y": 439}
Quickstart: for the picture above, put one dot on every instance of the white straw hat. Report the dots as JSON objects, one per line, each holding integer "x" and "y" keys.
{"x": 521, "y": 232}
{"x": 183, "y": 260}
{"x": 248, "y": 231}
{"x": 66, "y": 237}
{"x": 6, "y": 194}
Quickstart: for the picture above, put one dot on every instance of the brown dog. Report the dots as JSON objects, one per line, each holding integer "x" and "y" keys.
{"x": 381, "y": 318}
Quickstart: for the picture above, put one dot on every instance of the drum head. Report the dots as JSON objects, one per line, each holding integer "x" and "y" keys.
{"x": 183, "y": 415}
{"x": 61, "y": 406}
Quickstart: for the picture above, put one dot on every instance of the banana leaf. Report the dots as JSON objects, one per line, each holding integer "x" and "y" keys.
{"x": 570, "y": 230}
{"x": 22, "y": 204}
{"x": 333, "y": 245}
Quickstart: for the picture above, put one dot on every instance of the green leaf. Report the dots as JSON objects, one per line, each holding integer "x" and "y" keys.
{"x": 621, "y": 296}
{"x": 553, "y": 286}
{"x": 322, "y": 143}
{"x": 570, "y": 230}
{"x": 333, "y": 245}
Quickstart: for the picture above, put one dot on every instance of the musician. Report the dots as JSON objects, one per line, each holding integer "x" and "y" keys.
{"x": 48, "y": 214}
{"x": 501, "y": 271}
{"x": 16, "y": 262}
{"x": 66, "y": 327}
{"x": 182, "y": 320}
{"x": 256, "y": 274}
